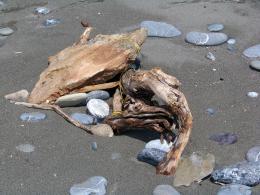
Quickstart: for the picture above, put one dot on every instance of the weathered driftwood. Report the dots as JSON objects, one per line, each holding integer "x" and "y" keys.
{"x": 97, "y": 87}
{"x": 139, "y": 87}
{"x": 86, "y": 63}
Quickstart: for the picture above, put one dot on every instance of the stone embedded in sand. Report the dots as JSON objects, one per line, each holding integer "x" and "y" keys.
{"x": 102, "y": 130}
{"x": 84, "y": 119}
{"x": 165, "y": 190}
{"x": 33, "y": 116}
{"x": 211, "y": 111}
{"x": 194, "y": 168}
{"x": 231, "y": 44}
{"x": 224, "y": 138}
{"x": 210, "y": 56}
{"x": 253, "y": 154}
{"x": 98, "y": 94}
{"x": 158, "y": 145}
{"x": 252, "y": 52}
{"x": 41, "y": 10}
{"x": 215, "y": 27}
{"x": 151, "y": 156}
{"x": 94, "y": 146}
{"x": 76, "y": 99}
{"x": 115, "y": 156}
{"x": 234, "y": 189}
{"x": 51, "y": 22}
{"x": 98, "y": 108}
{"x": 27, "y": 148}
{"x": 6, "y": 31}
{"x": 255, "y": 65}
{"x": 207, "y": 39}
{"x": 20, "y": 95}
{"x": 252, "y": 94}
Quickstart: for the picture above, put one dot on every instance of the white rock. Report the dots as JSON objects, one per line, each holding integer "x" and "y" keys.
{"x": 21, "y": 95}
{"x": 25, "y": 148}
{"x": 6, "y": 31}
{"x": 157, "y": 144}
{"x": 102, "y": 130}
{"x": 252, "y": 94}
{"x": 98, "y": 108}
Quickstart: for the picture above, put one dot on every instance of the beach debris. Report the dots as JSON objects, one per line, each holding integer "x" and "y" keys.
{"x": 75, "y": 99}
{"x": 102, "y": 130}
{"x": 253, "y": 154}
{"x": 33, "y": 116}
{"x": 252, "y": 94}
{"x": 166, "y": 147}
{"x": 211, "y": 111}
{"x": 41, "y": 10}
{"x": 20, "y": 95}
{"x": 98, "y": 94}
{"x": 210, "y": 56}
{"x": 206, "y": 39}
{"x": 252, "y": 52}
{"x": 94, "y": 146}
{"x": 231, "y": 44}
{"x": 245, "y": 173}
{"x": 98, "y": 108}
{"x": 27, "y": 148}
{"x": 84, "y": 22}
{"x": 115, "y": 156}
{"x": 6, "y": 31}
{"x": 234, "y": 189}
{"x": 151, "y": 156}
{"x": 51, "y": 22}
{"x": 224, "y": 138}
{"x": 160, "y": 29}
{"x": 255, "y": 65}
{"x": 215, "y": 27}
{"x": 194, "y": 168}
{"x": 164, "y": 189}
{"x": 84, "y": 119}
{"x": 94, "y": 185}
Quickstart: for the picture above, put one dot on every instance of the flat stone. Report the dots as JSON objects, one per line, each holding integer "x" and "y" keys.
{"x": 255, "y": 65}
{"x": 210, "y": 56}
{"x": 245, "y": 173}
{"x": 6, "y": 31}
{"x": 224, "y": 138}
{"x": 151, "y": 156}
{"x": 158, "y": 145}
{"x": 84, "y": 119}
{"x": 20, "y": 95}
{"x": 98, "y": 94}
{"x": 93, "y": 186}
{"x": 165, "y": 190}
{"x": 253, "y": 154}
{"x": 160, "y": 29}
{"x": 252, "y": 94}
{"x": 234, "y": 189}
{"x": 211, "y": 111}
{"x": 215, "y": 27}
{"x": 76, "y": 99}
{"x": 33, "y": 116}
{"x": 94, "y": 146}
{"x": 194, "y": 168}
{"x": 27, "y": 148}
{"x": 98, "y": 108}
{"x": 51, "y": 22}
{"x": 252, "y": 52}
{"x": 41, "y": 10}
{"x": 102, "y": 130}
{"x": 207, "y": 39}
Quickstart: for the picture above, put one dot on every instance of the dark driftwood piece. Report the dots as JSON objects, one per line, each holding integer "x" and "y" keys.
{"x": 139, "y": 87}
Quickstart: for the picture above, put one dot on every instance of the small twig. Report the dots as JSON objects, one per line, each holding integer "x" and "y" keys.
{"x": 97, "y": 87}
{"x": 58, "y": 110}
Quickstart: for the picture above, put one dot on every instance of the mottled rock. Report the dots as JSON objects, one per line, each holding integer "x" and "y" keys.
{"x": 98, "y": 108}
{"x": 41, "y": 10}
{"x": 245, "y": 173}
{"x": 6, "y": 31}
{"x": 98, "y": 94}
{"x": 20, "y": 95}
{"x": 27, "y": 148}
{"x": 102, "y": 130}
{"x": 84, "y": 119}
{"x": 215, "y": 27}
{"x": 33, "y": 116}
{"x": 158, "y": 145}
{"x": 253, "y": 154}
{"x": 51, "y": 22}
{"x": 224, "y": 138}
{"x": 252, "y": 52}
{"x": 151, "y": 156}
{"x": 208, "y": 39}
{"x": 255, "y": 65}
{"x": 194, "y": 168}
{"x": 94, "y": 146}
{"x": 165, "y": 190}
{"x": 252, "y": 94}
{"x": 76, "y": 99}
{"x": 234, "y": 189}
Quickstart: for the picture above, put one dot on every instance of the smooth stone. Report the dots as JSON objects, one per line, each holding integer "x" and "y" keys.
{"x": 84, "y": 119}
{"x": 51, "y": 22}
{"x": 215, "y": 27}
{"x": 160, "y": 29}
{"x": 255, "y": 64}
{"x": 231, "y": 45}
{"x": 224, "y": 138}
{"x": 253, "y": 154}
{"x": 208, "y": 39}
{"x": 158, "y": 145}
{"x": 234, "y": 189}
{"x": 98, "y": 108}
{"x": 20, "y": 95}
{"x": 33, "y": 116}
{"x": 252, "y": 52}
{"x": 6, "y": 31}
{"x": 194, "y": 168}
{"x": 165, "y": 190}
{"x": 98, "y": 94}
{"x": 252, "y": 94}
{"x": 93, "y": 186}
{"x": 211, "y": 111}
{"x": 151, "y": 156}
{"x": 245, "y": 173}
{"x": 76, "y": 99}
{"x": 94, "y": 146}
{"x": 27, "y": 148}
{"x": 210, "y": 56}
{"x": 41, "y": 10}
{"x": 102, "y": 130}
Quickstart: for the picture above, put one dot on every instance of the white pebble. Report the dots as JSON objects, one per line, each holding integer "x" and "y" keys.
{"x": 25, "y": 148}
{"x": 252, "y": 94}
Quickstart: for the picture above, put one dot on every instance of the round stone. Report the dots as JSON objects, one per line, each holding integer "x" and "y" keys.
{"x": 84, "y": 119}
{"x": 215, "y": 27}
{"x": 252, "y": 52}
{"x": 255, "y": 65}
{"x": 253, "y": 154}
{"x": 165, "y": 190}
{"x": 98, "y": 108}
{"x": 6, "y": 31}
{"x": 207, "y": 39}
{"x": 33, "y": 116}
{"x": 25, "y": 148}
{"x": 252, "y": 94}
{"x": 158, "y": 145}
{"x": 234, "y": 189}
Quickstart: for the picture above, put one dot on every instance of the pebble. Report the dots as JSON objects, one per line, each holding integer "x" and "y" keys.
{"x": 255, "y": 65}
{"x": 215, "y": 27}
{"x": 98, "y": 108}
{"x": 224, "y": 138}
{"x": 20, "y": 95}
{"x": 76, "y": 99}
{"x": 115, "y": 156}
{"x": 6, "y": 31}
{"x": 252, "y": 94}
{"x": 98, "y": 94}
{"x": 210, "y": 56}
{"x": 194, "y": 168}
{"x": 94, "y": 146}
{"x": 84, "y": 119}
{"x": 160, "y": 29}
{"x": 51, "y": 22}
{"x": 93, "y": 186}
{"x": 33, "y": 116}
{"x": 165, "y": 190}
{"x": 245, "y": 173}
{"x": 208, "y": 39}
{"x": 151, "y": 156}
{"x": 41, "y": 10}
{"x": 253, "y": 154}
{"x": 102, "y": 130}
{"x": 25, "y": 148}
{"x": 231, "y": 45}
{"x": 234, "y": 189}
{"x": 252, "y": 52}
{"x": 211, "y": 111}
{"x": 158, "y": 145}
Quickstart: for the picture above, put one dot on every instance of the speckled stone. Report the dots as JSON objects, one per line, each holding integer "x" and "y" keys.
{"x": 98, "y": 108}
{"x": 151, "y": 156}
{"x": 215, "y": 27}
{"x": 33, "y": 116}
{"x": 6, "y": 31}
{"x": 27, "y": 148}
{"x": 206, "y": 39}
{"x": 235, "y": 189}
{"x": 252, "y": 52}
{"x": 255, "y": 65}
{"x": 253, "y": 154}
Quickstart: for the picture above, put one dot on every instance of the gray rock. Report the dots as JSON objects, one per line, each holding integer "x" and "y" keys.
{"x": 253, "y": 154}
{"x": 252, "y": 94}
{"x": 208, "y": 39}
{"x": 160, "y": 29}
{"x": 76, "y": 99}
{"x": 231, "y": 45}
{"x": 158, "y": 145}
{"x": 224, "y": 138}
{"x": 93, "y": 186}
{"x": 84, "y": 119}
{"x": 255, "y": 65}
{"x": 210, "y": 56}
{"x": 151, "y": 156}
{"x": 252, "y": 52}
{"x": 245, "y": 173}
{"x": 115, "y": 156}
{"x": 51, "y": 22}
{"x": 33, "y": 116}
{"x": 41, "y": 10}
{"x": 98, "y": 94}
{"x": 6, "y": 31}
{"x": 94, "y": 146}
{"x": 27, "y": 148}
{"x": 98, "y": 108}
{"x": 20, "y": 95}
{"x": 165, "y": 190}
{"x": 211, "y": 111}
{"x": 234, "y": 189}
{"x": 215, "y": 27}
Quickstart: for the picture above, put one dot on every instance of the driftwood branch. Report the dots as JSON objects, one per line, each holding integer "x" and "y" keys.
{"x": 97, "y": 87}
